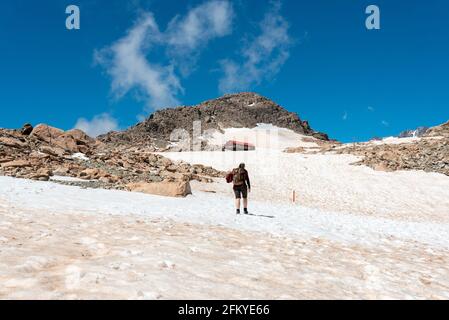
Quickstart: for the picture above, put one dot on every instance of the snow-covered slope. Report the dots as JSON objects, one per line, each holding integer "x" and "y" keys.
{"x": 329, "y": 182}
{"x": 352, "y": 233}
{"x": 217, "y": 209}
{"x": 65, "y": 242}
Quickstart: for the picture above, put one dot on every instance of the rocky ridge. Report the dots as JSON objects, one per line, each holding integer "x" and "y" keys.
{"x": 418, "y": 132}
{"x": 427, "y": 154}
{"x": 438, "y": 131}
{"x": 235, "y": 110}
{"x": 42, "y": 152}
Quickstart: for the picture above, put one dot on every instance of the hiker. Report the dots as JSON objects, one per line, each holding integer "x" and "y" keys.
{"x": 241, "y": 186}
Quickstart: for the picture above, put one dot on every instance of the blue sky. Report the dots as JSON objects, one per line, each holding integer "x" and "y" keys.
{"x": 315, "y": 58}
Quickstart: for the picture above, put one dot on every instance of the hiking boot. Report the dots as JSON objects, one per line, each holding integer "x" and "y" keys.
{"x": 245, "y": 211}
{"x": 237, "y": 211}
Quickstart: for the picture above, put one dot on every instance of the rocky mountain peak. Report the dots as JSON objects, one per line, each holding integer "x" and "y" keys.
{"x": 240, "y": 110}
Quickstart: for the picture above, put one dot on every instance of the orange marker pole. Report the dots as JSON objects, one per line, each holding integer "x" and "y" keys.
{"x": 294, "y": 196}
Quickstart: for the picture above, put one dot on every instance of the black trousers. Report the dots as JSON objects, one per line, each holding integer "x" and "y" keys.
{"x": 241, "y": 191}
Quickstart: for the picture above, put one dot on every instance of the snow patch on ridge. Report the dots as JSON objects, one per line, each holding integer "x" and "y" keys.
{"x": 264, "y": 136}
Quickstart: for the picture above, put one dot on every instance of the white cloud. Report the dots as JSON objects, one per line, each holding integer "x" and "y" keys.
{"x": 371, "y": 109}
{"x": 186, "y": 36}
{"x": 126, "y": 60}
{"x": 263, "y": 57}
{"x": 201, "y": 24}
{"x": 385, "y": 123}
{"x": 345, "y": 116}
{"x": 99, "y": 124}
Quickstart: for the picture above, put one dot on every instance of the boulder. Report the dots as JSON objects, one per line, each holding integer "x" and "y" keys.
{"x": 16, "y": 164}
{"x": 38, "y": 155}
{"x": 26, "y": 129}
{"x": 46, "y": 133}
{"x": 163, "y": 188}
{"x": 295, "y": 150}
{"x": 6, "y": 159}
{"x": 71, "y": 141}
{"x": 42, "y": 174}
{"x": 53, "y": 151}
{"x": 163, "y": 162}
{"x": 89, "y": 173}
{"x": 173, "y": 176}
{"x": 80, "y": 136}
{"x": 67, "y": 143}
{"x": 381, "y": 167}
{"x": 105, "y": 180}
{"x": 77, "y": 141}
{"x": 320, "y": 135}
{"x": 14, "y": 143}
{"x": 93, "y": 173}
{"x": 61, "y": 171}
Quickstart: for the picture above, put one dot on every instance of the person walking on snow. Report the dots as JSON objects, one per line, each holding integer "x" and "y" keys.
{"x": 241, "y": 186}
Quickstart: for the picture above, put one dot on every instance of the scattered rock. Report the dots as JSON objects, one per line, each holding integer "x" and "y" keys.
{"x": 16, "y": 164}
{"x": 54, "y": 151}
{"x": 418, "y": 132}
{"x": 38, "y": 153}
{"x": 438, "y": 131}
{"x": 14, "y": 143}
{"x": 295, "y": 150}
{"x": 49, "y": 151}
{"x": 6, "y": 159}
{"x": 427, "y": 154}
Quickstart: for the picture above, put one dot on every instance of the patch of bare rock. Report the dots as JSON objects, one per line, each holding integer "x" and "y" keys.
{"x": 438, "y": 131}
{"x": 427, "y": 154}
{"x": 43, "y": 151}
{"x": 322, "y": 146}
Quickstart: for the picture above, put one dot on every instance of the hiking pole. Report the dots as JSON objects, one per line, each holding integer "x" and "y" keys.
{"x": 294, "y": 196}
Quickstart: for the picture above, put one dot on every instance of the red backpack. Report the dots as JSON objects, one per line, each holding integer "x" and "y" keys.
{"x": 229, "y": 177}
